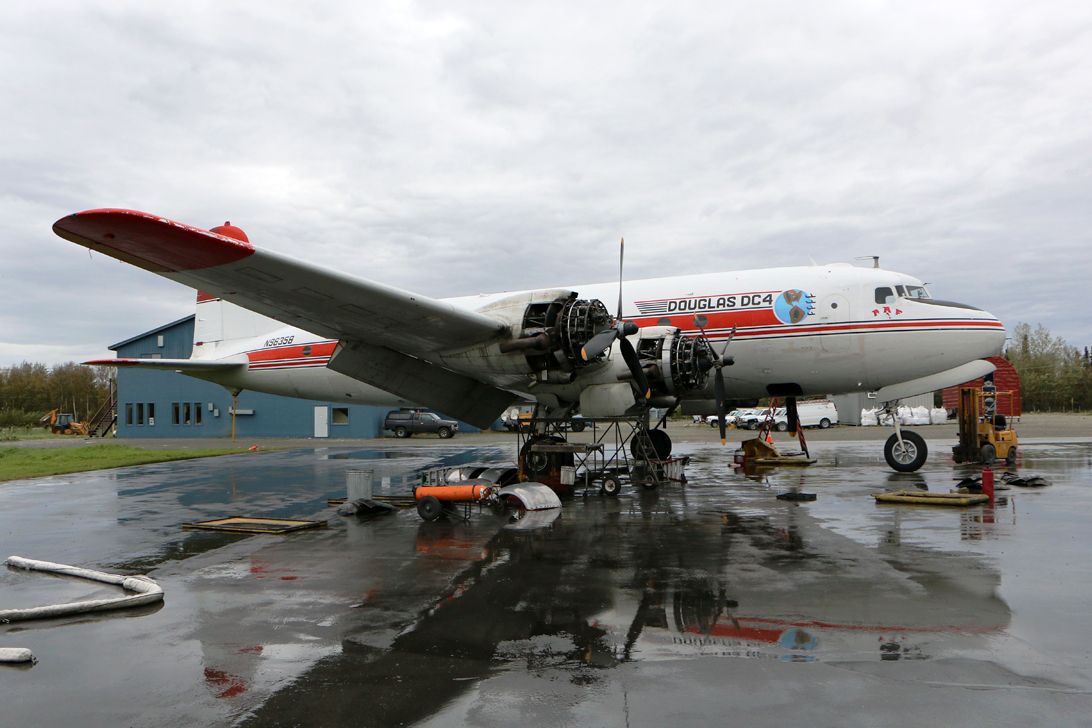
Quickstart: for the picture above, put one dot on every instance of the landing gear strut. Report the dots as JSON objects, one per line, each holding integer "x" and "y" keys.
{"x": 903, "y": 451}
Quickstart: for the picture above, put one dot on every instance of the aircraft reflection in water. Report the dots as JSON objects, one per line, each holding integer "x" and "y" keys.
{"x": 602, "y": 586}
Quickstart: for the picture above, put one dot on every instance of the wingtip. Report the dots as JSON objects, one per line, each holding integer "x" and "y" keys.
{"x": 150, "y": 241}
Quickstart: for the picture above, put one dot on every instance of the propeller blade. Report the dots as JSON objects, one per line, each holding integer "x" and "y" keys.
{"x": 598, "y": 344}
{"x": 621, "y": 256}
{"x": 718, "y": 390}
{"x": 634, "y": 364}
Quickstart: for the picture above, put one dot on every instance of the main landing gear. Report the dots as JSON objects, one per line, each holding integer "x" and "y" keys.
{"x": 903, "y": 451}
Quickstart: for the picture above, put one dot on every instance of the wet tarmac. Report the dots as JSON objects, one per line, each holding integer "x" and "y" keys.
{"x": 710, "y": 603}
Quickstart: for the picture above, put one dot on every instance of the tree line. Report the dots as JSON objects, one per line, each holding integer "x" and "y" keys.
{"x": 1054, "y": 377}
{"x": 30, "y": 390}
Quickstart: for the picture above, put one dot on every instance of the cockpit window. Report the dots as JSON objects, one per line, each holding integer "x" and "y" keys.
{"x": 916, "y": 292}
{"x": 882, "y": 294}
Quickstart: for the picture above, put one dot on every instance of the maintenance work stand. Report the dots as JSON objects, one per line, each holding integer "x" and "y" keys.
{"x": 615, "y": 451}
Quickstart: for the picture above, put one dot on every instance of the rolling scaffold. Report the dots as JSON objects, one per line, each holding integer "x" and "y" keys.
{"x": 601, "y": 459}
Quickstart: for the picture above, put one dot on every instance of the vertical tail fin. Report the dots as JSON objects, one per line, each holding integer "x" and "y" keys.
{"x": 219, "y": 323}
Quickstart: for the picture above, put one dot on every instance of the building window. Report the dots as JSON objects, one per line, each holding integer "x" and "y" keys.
{"x": 339, "y": 415}
{"x": 128, "y": 413}
{"x": 182, "y": 414}
{"x": 151, "y": 414}
{"x": 140, "y": 413}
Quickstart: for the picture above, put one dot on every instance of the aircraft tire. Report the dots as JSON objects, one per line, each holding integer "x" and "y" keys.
{"x": 577, "y": 426}
{"x": 989, "y": 454}
{"x": 611, "y": 487}
{"x": 908, "y": 457}
{"x": 661, "y": 446}
{"x": 430, "y": 508}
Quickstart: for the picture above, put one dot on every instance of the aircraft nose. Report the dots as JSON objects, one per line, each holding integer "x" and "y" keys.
{"x": 977, "y": 334}
{"x": 991, "y": 335}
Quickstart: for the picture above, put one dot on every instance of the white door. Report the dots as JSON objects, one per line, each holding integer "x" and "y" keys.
{"x": 322, "y": 421}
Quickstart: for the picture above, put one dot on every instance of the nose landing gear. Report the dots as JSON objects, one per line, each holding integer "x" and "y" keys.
{"x": 903, "y": 451}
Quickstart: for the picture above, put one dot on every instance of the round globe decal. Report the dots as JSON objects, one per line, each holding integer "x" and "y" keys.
{"x": 792, "y": 306}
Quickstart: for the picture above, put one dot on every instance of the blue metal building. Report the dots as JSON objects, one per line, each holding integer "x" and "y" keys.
{"x": 169, "y": 404}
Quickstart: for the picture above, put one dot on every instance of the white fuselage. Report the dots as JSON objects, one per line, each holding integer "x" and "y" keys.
{"x": 822, "y": 329}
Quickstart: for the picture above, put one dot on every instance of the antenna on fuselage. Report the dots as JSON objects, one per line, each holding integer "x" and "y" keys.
{"x": 874, "y": 258}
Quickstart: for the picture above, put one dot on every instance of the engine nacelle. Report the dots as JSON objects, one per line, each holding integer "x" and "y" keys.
{"x": 547, "y": 330}
{"x": 674, "y": 365}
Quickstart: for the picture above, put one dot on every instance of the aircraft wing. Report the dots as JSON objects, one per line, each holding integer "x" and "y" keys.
{"x": 326, "y": 302}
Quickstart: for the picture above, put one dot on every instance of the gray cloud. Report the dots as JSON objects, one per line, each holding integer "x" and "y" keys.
{"x": 453, "y": 149}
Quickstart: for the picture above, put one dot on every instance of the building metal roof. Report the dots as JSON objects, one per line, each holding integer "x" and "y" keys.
{"x": 156, "y": 330}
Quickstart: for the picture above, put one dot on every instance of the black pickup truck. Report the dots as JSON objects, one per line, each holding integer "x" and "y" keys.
{"x": 407, "y": 423}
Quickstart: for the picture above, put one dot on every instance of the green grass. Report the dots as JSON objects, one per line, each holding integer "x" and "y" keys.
{"x": 24, "y": 462}
{"x": 26, "y": 433}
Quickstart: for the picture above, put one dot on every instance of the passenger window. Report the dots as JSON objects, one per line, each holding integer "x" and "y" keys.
{"x": 882, "y": 294}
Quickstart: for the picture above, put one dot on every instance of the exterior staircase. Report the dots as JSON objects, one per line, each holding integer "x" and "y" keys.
{"x": 102, "y": 422}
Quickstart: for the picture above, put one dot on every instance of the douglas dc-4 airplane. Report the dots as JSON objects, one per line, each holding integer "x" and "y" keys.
{"x": 267, "y": 322}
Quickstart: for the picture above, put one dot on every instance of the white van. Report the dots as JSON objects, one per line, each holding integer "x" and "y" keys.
{"x": 814, "y": 413}
{"x": 817, "y": 413}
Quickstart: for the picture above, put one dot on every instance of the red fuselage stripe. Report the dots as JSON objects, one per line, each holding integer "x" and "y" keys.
{"x": 295, "y": 351}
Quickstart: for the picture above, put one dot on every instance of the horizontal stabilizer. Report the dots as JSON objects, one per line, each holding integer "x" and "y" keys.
{"x": 174, "y": 365}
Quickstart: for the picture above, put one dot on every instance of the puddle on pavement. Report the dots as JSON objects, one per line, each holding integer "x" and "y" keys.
{"x": 717, "y": 573}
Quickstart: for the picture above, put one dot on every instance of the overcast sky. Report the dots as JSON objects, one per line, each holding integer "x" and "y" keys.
{"x": 451, "y": 148}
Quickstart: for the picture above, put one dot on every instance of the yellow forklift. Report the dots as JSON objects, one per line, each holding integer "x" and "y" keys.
{"x": 984, "y": 435}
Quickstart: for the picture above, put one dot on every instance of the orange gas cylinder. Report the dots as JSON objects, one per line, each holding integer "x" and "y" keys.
{"x": 453, "y": 493}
